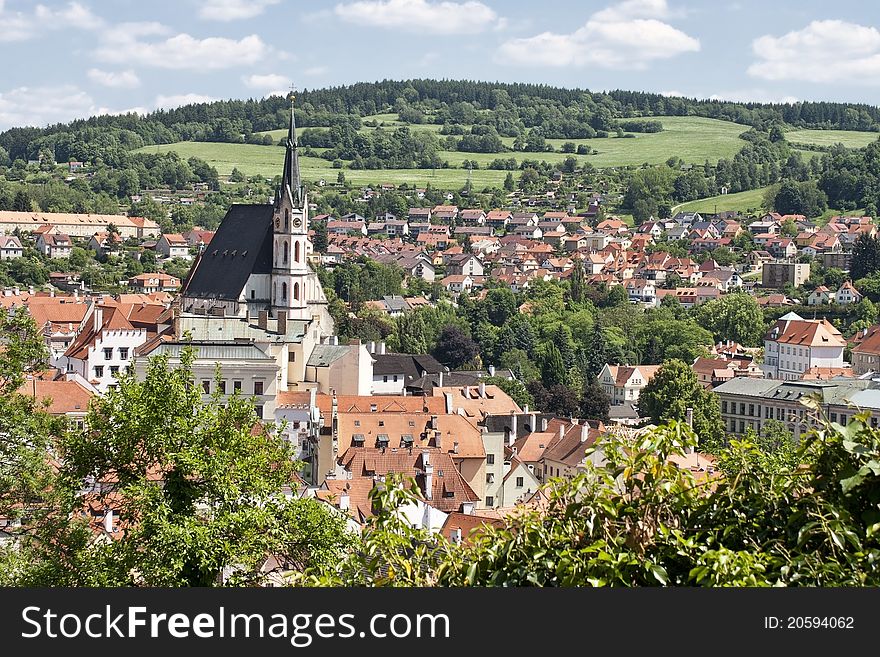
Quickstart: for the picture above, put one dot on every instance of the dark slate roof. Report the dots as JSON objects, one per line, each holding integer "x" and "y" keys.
{"x": 424, "y": 385}
{"x": 410, "y": 365}
{"x": 241, "y": 246}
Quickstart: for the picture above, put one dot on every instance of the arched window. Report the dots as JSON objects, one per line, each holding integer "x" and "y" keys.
{"x": 296, "y": 251}
{"x": 284, "y": 291}
{"x": 287, "y": 221}
{"x": 296, "y": 291}
{"x": 284, "y": 256}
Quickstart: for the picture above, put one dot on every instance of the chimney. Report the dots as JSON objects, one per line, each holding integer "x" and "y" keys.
{"x": 526, "y": 411}
{"x": 585, "y": 432}
{"x": 345, "y": 501}
{"x": 52, "y": 292}
{"x": 312, "y": 393}
{"x": 448, "y": 397}
{"x": 371, "y": 347}
{"x": 456, "y": 535}
{"x": 429, "y": 475}
{"x": 455, "y": 447}
{"x": 381, "y": 347}
{"x": 543, "y": 424}
{"x": 263, "y": 319}
{"x": 108, "y": 521}
{"x": 482, "y": 389}
{"x": 440, "y": 383}
{"x": 513, "y": 427}
{"x": 533, "y": 420}
{"x": 491, "y": 370}
{"x": 98, "y": 317}
{"x": 433, "y": 423}
{"x": 561, "y": 431}
{"x": 282, "y": 322}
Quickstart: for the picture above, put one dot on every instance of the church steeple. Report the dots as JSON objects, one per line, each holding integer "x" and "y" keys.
{"x": 291, "y": 183}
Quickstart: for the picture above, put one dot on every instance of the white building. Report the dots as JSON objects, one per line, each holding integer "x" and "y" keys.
{"x": 623, "y": 383}
{"x": 104, "y": 348}
{"x": 795, "y": 345}
{"x": 10, "y": 247}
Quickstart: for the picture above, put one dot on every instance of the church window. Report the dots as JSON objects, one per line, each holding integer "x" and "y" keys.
{"x": 287, "y": 221}
{"x": 296, "y": 291}
{"x": 296, "y": 252}
{"x": 284, "y": 258}
{"x": 284, "y": 291}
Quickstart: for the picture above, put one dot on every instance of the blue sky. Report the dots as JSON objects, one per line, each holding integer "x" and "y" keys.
{"x": 63, "y": 59}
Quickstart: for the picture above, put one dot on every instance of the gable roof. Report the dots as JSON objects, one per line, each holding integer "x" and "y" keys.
{"x": 241, "y": 246}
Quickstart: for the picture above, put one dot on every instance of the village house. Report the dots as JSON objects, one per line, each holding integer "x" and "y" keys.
{"x": 795, "y": 345}
{"x": 623, "y": 384}
{"x": 10, "y": 247}
{"x": 154, "y": 282}
{"x": 173, "y": 245}
{"x": 54, "y": 245}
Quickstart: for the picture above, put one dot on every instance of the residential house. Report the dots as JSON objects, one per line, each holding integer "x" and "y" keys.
{"x": 866, "y": 353}
{"x": 154, "y": 282}
{"x": 173, "y": 245}
{"x": 779, "y": 274}
{"x": 54, "y": 245}
{"x": 10, "y": 247}
{"x": 795, "y": 345}
{"x": 61, "y": 398}
{"x": 623, "y": 383}
{"x": 820, "y": 296}
{"x": 457, "y": 283}
{"x": 105, "y": 243}
{"x": 465, "y": 264}
{"x": 847, "y": 294}
{"x": 472, "y": 217}
{"x": 393, "y": 372}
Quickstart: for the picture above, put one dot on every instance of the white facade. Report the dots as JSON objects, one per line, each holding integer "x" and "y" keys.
{"x": 111, "y": 352}
{"x": 790, "y": 362}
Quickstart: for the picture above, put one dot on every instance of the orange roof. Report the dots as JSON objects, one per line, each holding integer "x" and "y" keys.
{"x": 63, "y": 396}
{"x": 807, "y": 333}
{"x": 494, "y": 402}
{"x": 530, "y": 448}
{"x": 397, "y": 427}
{"x": 467, "y": 523}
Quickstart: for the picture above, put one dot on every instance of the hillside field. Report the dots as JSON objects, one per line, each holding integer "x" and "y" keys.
{"x": 849, "y": 138}
{"x": 748, "y": 202}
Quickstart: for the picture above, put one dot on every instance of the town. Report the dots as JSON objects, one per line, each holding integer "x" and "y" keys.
{"x": 483, "y": 351}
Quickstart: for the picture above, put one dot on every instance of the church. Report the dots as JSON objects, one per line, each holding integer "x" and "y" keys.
{"x": 253, "y": 306}
{"x": 258, "y": 260}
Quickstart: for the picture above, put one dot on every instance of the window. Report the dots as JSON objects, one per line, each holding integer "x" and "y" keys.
{"x": 490, "y": 478}
{"x": 236, "y": 386}
{"x": 395, "y": 378}
{"x": 259, "y": 412}
{"x": 381, "y": 423}
{"x": 284, "y": 291}
{"x": 742, "y": 409}
{"x": 108, "y": 353}
{"x": 291, "y": 356}
{"x": 490, "y": 459}
{"x": 258, "y": 387}
{"x": 490, "y": 501}
{"x": 284, "y": 253}
{"x": 222, "y": 386}
{"x": 519, "y": 482}
{"x": 751, "y": 409}
{"x": 99, "y": 371}
{"x": 357, "y": 423}
{"x": 253, "y": 294}
{"x": 123, "y": 353}
{"x": 114, "y": 369}
{"x": 296, "y": 251}
{"x": 384, "y": 378}
{"x": 206, "y": 386}
{"x": 723, "y": 406}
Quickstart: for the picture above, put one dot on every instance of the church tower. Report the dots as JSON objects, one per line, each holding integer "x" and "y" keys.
{"x": 291, "y": 274}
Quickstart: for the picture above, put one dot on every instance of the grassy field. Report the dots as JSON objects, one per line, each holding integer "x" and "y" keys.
{"x": 849, "y": 138}
{"x": 748, "y": 201}
{"x": 268, "y": 160}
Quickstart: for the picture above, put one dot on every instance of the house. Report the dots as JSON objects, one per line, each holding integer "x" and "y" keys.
{"x": 820, "y": 296}
{"x": 795, "y": 345}
{"x": 346, "y": 228}
{"x": 419, "y": 215}
{"x": 847, "y": 294}
{"x": 60, "y": 398}
{"x": 393, "y": 372}
{"x": 154, "y": 282}
{"x": 623, "y": 383}
{"x": 566, "y": 456}
{"x": 446, "y": 214}
{"x": 498, "y": 219}
{"x": 866, "y": 353}
{"x": 341, "y": 369}
{"x": 641, "y": 291}
{"x": 105, "y": 243}
{"x": 198, "y": 237}
{"x": 173, "y": 245}
{"x": 465, "y": 264}
{"x": 10, "y": 247}
{"x": 54, "y": 245}
{"x": 104, "y": 347}
{"x": 457, "y": 283}
{"x": 472, "y": 217}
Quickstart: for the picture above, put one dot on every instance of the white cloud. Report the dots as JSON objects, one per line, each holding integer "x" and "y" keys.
{"x": 420, "y": 16}
{"x": 315, "y": 71}
{"x": 40, "y": 106}
{"x": 826, "y": 51}
{"x": 233, "y": 10}
{"x": 114, "y": 79}
{"x": 268, "y": 81}
{"x": 21, "y": 26}
{"x": 170, "y": 102}
{"x": 628, "y": 35}
{"x": 181, "y": 51}
{"x": 673, "y": 92}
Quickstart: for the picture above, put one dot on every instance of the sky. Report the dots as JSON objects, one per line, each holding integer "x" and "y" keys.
{"x": 65, "y": 59}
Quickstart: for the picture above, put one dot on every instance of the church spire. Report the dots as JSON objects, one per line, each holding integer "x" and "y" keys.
{"x": 290, "y": 181}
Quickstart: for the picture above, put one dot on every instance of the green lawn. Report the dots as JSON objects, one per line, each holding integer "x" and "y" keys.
{"x": 849, "y": 138}
{"x": 746, "y": 202}
{"x": 694, "y": 139}
{"x": 267, "y": 161}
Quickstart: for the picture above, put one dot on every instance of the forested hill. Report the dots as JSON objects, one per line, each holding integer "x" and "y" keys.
{"x": 511, "y": 109}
